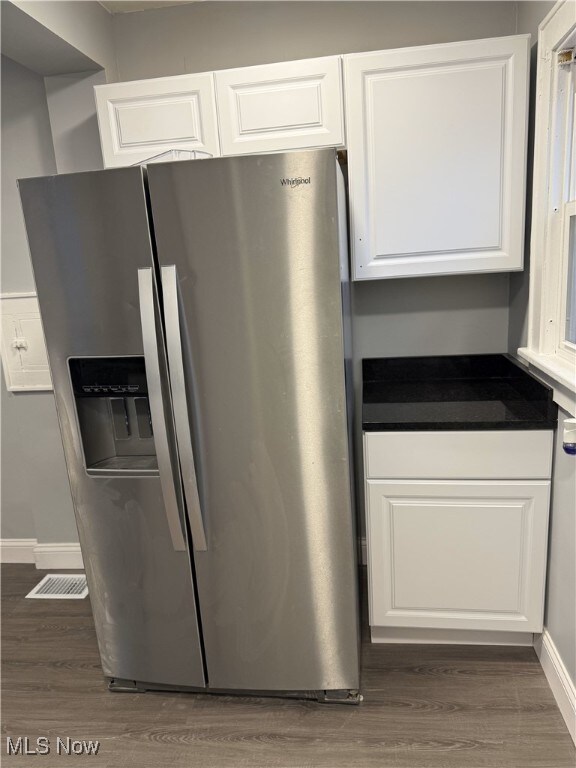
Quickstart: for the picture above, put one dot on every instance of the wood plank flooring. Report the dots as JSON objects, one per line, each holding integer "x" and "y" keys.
{"x": 424, "y": 706}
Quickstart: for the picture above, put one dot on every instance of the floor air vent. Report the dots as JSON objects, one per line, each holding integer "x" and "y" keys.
{"x": 61, "y": 586}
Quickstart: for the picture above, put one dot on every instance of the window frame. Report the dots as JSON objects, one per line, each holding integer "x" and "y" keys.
{"x": 566, "y": 348}
{"x": 554, "y": 183}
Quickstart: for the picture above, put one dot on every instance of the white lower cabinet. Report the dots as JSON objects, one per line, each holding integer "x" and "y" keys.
{"x": 457, "y": 532}
{"x": 457, "y": 554}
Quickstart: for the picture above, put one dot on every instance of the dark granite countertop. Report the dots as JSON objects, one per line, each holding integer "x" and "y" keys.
{"x": 458, "y": 392}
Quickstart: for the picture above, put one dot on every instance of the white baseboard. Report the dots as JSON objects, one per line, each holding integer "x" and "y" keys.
{"x": 420, "y": 636}
{"x": 558, "y": 678}
{"x": 51, "y": 556}
{"x": 44, "y": 556}
{"x": 17, "y": 550}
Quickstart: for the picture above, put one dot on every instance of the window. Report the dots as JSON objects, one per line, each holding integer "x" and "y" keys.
{"x": 565, "y": 207}
{"x": 569, "y": 305}
{"x": 552, "y": 310}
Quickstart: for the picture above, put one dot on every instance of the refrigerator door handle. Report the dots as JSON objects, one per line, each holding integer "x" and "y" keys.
{"x": 152, "y": 361}
{"x": 182, "y": 420}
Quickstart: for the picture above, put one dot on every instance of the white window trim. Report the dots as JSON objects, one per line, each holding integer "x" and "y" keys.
{"x": 546, "y": 351}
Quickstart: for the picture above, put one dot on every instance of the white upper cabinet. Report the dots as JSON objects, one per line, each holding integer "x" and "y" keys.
{"x": 437, "y": 157}
{"x": 276, "y": 107}
{"x": 144, "y": 118}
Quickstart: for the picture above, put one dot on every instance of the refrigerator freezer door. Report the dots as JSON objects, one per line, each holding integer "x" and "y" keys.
{"x": 255, "y": 244}
{"x": 89, "y": 236}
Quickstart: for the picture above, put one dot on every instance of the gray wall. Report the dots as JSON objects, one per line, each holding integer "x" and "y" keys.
{"x": 35, "y": 494}
{"x": 530, "y": 14}
{"x": 462, "y": 314}
{"x": 73, "y": 120}
{"x": 560, "y": 618}
{"x": 204, "y": 36}
{"x": 84, "y": 29}
{"x": 26, "y": 151}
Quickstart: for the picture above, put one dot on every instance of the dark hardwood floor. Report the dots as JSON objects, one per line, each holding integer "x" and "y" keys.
{"x": 424, "y": 706}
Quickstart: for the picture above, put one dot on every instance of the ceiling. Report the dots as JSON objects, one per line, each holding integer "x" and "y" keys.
{"x": 128, "y": 6}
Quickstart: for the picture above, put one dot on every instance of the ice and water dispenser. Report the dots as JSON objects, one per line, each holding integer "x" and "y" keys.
{"x": 111, "y": 396}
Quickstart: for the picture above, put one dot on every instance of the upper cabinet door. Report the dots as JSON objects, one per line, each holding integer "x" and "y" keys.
{"x": 276, "y": 107}
{"x": 437, "y": 157}
{"x": 144, "y": 118}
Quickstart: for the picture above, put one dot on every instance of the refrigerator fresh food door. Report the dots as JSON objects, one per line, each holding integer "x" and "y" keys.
{"x": 249, "y": 250}
{"x": 94, "y": 269}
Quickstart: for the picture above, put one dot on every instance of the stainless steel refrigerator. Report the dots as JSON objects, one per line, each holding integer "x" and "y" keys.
{"x": 196, "y": 321}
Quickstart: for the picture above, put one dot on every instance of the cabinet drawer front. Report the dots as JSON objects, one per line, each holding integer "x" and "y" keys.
{"x": 457, "y": 555}
{"x": 276, "y": 107}
{"x": 498, "y": 455}
{"x": 140, "y": 119}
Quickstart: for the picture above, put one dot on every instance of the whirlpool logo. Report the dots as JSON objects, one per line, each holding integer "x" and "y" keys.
{"x": 295, "y": 182}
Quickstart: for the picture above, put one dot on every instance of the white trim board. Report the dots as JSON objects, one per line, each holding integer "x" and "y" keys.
{"x": 558, "y": 678}
{"x": 553, "y": 375}
{"x": 50, "y": 556}
{"x": 17, "y": 550}
{"x": 423, "y": 636}
{"x": 44, "y": 556}
{"x": 19, "y": 295}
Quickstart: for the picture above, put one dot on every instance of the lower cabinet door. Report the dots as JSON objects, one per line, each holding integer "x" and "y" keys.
{"x": 457, "y": 554}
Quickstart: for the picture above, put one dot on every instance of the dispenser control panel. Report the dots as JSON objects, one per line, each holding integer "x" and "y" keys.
{"x": 108, "y": 376}
{"x": 110, "y": 389}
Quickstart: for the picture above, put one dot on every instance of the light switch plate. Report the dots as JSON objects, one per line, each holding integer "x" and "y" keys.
{"x": 24, "y": 356}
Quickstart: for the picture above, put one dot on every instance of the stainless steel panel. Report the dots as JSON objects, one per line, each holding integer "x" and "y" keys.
{"x": 120, "y": 418}
{"x": 258, "y": 268}
{"x": 151, "y": 339}
{"x": 140, "y": 588}
{"x": 143, "y": 417}
{"x": 88, "y": 236}
{"x": 181, "y": 415}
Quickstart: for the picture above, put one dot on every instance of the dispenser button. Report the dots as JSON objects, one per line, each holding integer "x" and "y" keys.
{"x": 120, "y": 418}
{"x": 143, "y": 417}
